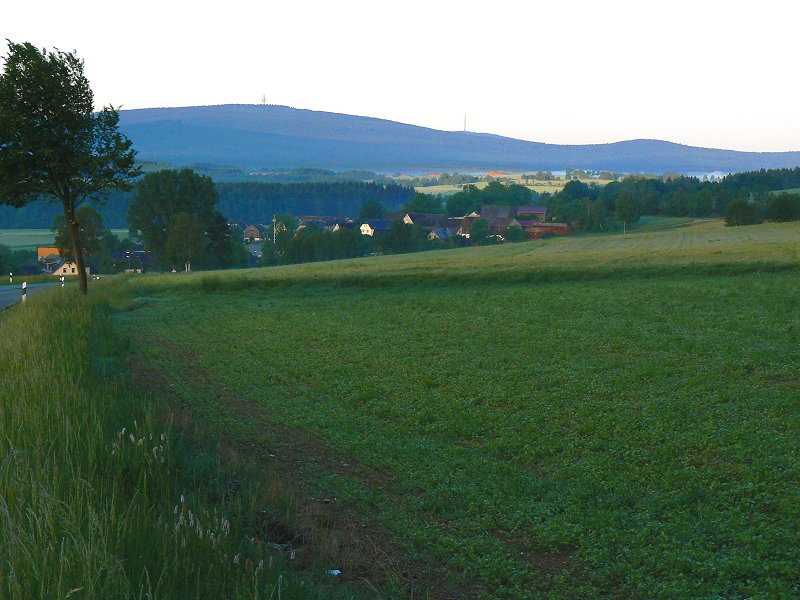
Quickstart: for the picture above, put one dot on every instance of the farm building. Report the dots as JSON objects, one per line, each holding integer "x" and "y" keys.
{"x": 532, "y": 213}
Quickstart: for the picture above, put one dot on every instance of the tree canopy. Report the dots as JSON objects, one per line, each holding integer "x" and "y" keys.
{"x": 175, "y": 213}
{"x": 52, "y": 143}
{"x": 162, "y": 195}
{"x": 90, "y": 229}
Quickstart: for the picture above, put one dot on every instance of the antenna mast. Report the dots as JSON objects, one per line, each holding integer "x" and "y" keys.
{"x": 465, "y": 122}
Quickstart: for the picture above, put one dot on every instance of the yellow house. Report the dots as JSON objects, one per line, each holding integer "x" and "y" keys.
{"x": 55, "y": 265}
{"x": 67, "y": 269}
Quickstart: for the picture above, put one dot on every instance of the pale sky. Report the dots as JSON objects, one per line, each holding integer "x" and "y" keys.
{"x": 704, "y": 73}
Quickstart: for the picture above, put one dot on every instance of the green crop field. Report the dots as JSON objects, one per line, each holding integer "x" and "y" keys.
{"x": 606, "y": 416}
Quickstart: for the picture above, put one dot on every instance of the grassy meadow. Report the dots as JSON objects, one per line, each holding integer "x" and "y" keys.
{"x": 606, "y": 416}
{"x": 597, "y": 416}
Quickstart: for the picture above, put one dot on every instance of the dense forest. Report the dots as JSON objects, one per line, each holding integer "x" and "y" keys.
{"x": 257, "y": 202}
{"x": 244, "y": 201}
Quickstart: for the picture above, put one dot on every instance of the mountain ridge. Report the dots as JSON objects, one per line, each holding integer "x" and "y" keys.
{"x": 254, "y": 136}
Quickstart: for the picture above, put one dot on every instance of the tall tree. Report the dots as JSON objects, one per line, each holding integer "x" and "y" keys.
{"x": 371, "y": 209}
{"x": 424, "y": 203}
{"x": 186, "y": 240}
{"x": 52, "y": 143}
{"x": 627, "y": 209}
{"x": 163, "y": 194}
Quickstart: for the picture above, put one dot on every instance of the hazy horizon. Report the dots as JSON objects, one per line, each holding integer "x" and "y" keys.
{"x": 711, "y": 74}
{"x": 487, "y": 133}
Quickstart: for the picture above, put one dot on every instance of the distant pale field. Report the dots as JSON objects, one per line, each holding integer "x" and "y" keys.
{"x": 537, "y": 186}
{"x": 28, "y": 239}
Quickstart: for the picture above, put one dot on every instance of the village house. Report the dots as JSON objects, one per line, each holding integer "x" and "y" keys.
{"x": 68, "y": 268}
{"x": 426, "y": 221}
{"x": 325, "y": 223}
{"x": 376, "y": 227}
{"x": 253, "y": 233}
{"x": 463, "y": 225}
{"x": 441, "y": 234}
{"x": 53, "y": 263}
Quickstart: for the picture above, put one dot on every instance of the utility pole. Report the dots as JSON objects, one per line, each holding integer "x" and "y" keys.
{"x": 274, "y": 231}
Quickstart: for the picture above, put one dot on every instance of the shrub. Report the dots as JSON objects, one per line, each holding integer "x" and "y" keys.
{"x": 741, "y": 212}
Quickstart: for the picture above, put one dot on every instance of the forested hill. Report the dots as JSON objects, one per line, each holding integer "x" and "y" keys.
{"x": 256, "y": 137}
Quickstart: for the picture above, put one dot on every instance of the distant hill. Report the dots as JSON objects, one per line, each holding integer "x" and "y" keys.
{"x": 256, "y": 137}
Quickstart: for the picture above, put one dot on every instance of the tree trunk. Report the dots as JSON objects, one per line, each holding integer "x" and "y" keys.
{"x": 80, "y": 265}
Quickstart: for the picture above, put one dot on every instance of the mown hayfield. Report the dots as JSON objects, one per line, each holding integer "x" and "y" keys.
{"x": 25, "y": 239}
{"x": 541, "y": 187}
{"x": 599, "y": 416}
{"x": 28, "y": 239}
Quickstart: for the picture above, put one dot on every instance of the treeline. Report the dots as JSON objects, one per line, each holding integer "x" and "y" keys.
{"x": 40, "y": 214}
{"x": 312, "y": 244}
{"x": 583, "y": 206}
{"x": 596, "y": 208}
{"x": 311, "y": 175}
{"x": 17, "y": 261}
{"x": 440, "y": 179}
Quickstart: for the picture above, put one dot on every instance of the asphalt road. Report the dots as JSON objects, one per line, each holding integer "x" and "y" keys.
{"x": 9, "y": 294}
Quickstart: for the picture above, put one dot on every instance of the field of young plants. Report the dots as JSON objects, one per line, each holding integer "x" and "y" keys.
{"x": 599, "y": 416}
{"x": 611, "y": 415}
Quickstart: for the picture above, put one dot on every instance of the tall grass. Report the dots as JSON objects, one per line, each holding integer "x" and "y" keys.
{"x": 99, "y": 496}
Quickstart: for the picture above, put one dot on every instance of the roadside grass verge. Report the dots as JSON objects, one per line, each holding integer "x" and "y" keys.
{"x": 18, "y": 279}
{"x": 100, "y": 497}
